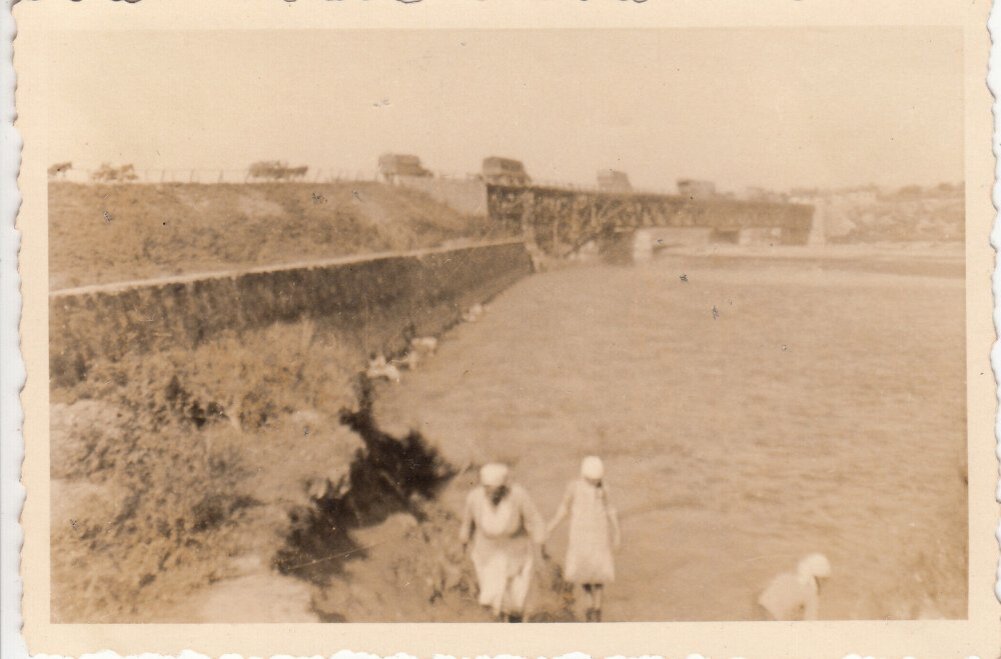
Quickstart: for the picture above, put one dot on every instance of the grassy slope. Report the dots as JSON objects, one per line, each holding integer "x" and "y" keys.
{"x": 106, "y": 233}
{"x": 148, "y": 505}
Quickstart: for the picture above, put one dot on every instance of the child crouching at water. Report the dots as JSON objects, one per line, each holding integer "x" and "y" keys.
{"x": 796, "y": 596}
{"x": 594, "y": 534}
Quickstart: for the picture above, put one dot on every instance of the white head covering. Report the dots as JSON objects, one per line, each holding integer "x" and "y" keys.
{"x": 592, "y": 467}
{"x": 814, "y": 566}
{"x": 493, "y": 474}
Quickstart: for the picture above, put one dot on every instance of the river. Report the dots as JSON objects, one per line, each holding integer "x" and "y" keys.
{"x": 748, "y": 412}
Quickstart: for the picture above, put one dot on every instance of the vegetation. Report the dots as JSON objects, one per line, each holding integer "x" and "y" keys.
{"x": 163, "y": 465}
{"x": 905, "y": 215}
{"x": 107, "y": 233}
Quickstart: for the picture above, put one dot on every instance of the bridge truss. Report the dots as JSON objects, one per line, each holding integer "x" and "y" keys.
{"x": 560, "y": 220}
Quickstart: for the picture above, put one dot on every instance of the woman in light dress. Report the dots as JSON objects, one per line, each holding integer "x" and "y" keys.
{"x": 506, "y": 531}
{"x": 594, "y": 534}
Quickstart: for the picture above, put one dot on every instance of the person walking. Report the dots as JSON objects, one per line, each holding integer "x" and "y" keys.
{"x": 796, "y": 596}
{"x": 506, "y": 531}
{"x": 594, "y": 534}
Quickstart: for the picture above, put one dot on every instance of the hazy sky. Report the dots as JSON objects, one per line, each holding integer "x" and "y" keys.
{"x": 771, "y": 107}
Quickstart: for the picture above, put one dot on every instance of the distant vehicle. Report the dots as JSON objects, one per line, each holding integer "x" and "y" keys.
{"x": 392, "y": 165}
{"x": 610, "y": 180}
{"x": 505, "y": 171}
{"x": 275, "y": 170}
{"x": 696, "y": 189}
{"x": 108, "y": 174}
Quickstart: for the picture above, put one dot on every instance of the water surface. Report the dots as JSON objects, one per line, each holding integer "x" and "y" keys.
{"x": 817, "y": 409}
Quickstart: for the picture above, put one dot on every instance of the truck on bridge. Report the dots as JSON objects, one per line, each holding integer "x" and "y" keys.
{"x": 611, "y": 180}
{"x": 696, "y": 189}
{"x": 393, "y": 165}
{"x": 505, "y": 171}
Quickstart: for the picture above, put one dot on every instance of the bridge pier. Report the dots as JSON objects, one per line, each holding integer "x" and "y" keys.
{"x": 626, "y": 246}
{"x": 642, "y": 245}
{"x": 616, "y": 247}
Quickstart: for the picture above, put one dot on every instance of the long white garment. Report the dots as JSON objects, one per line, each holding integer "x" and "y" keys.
{"x": 503, "y": 552}
{"x": 593, "y": 534}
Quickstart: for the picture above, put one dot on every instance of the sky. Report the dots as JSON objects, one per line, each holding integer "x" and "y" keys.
{"x": 769, "y": 107}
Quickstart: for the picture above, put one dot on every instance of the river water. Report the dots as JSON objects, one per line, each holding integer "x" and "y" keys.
{"x": 820, "y": 407}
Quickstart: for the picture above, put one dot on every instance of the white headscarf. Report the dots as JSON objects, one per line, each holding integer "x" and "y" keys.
{"x": 814, "y": 566}
{"x": 493, "y": 474}
{"x": 592, "y": 467}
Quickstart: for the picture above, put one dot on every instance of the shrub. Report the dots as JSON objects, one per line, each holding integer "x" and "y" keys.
{"x": 166, "y": 465}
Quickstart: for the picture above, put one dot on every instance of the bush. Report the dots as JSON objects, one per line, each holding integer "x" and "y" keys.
{"x": 165, "y": 466}
{"x": 246, "y": 380}
{"x": 143, "y": 505}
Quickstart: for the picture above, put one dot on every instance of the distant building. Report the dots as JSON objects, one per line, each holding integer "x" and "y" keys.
{"x": 505, "y": 171}
{"x": 610, "y": 180}
{"x": 392, "y": 165}
{"x": 696, "y": 189}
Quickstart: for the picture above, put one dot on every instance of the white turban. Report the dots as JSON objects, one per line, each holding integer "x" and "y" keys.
{"x": 814, "y": 565}
{"x": 493, "y": 474}
{"x": 592, "y": 468}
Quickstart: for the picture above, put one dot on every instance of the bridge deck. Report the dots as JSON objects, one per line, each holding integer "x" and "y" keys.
{"x": 567, "y": 216}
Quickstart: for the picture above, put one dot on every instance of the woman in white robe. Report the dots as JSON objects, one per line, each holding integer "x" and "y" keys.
{"x": 505, "y": 529}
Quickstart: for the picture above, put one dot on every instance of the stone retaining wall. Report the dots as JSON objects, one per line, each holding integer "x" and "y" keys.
{"x": 372, "y": 298}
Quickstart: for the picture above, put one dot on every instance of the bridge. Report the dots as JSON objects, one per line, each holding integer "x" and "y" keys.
{"x": 559, "y": 220}
{"x": 562, "y": 220}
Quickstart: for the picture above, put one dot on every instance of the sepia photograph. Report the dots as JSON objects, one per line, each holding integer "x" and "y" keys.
{"x": 513, "y": 326}
{"x": 645, "y": 336}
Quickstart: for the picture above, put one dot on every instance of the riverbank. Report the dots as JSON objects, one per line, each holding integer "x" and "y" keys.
{"x": 748, "y": 412}
{"x": 201, "y": 423}
{"x": 934, "y": 259}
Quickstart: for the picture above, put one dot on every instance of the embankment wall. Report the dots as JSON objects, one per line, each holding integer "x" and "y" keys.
{"x": 371, "y": 299}
{"x": 469, "y": 197}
